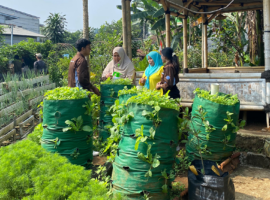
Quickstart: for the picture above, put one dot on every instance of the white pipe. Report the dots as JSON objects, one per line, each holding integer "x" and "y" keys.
{"x": 214, "y": 88}
{"x": 11, "y": 42}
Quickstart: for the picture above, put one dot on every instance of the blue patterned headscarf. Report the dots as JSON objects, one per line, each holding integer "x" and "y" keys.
{"x": 152, "y": 69}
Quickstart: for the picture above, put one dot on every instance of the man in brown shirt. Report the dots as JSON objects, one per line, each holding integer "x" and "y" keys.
{"x": 78, "y": 74}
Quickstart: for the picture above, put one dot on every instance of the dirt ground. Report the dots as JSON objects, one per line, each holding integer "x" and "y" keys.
{"x": 250, "y": 183}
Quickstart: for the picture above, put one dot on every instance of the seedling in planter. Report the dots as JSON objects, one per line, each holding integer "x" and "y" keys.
{"x": 89, "y": 107}
{"x": 153, "y": 161}
{"x": 167, "y": 177}
{"x": 140, "y": 138}
{"x": 76, "y": 125}
{"x": 237, "y": 127}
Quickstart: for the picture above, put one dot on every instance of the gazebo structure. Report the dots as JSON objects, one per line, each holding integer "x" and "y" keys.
{"x": 252, "y": 84}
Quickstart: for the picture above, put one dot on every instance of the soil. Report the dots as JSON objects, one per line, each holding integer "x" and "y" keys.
{"x": 250, "y": 183}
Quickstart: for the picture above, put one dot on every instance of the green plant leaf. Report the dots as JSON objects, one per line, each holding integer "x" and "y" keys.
{"x": 87, "y": 128}
{"x": 224, "y": 128}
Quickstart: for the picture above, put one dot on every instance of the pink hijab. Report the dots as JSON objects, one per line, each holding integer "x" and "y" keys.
{"x": 124, "y": 66}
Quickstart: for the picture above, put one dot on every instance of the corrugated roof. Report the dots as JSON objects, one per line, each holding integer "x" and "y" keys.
{"x": 18, "y": 11}
{"x": 21, "y": 32}
{"x": 8, "y": 17}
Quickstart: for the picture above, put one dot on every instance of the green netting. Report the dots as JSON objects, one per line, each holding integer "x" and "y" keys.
{"x": 76, "y": 146}
{"x": 129, "y": 171}
{"x": 216, "y": 113}
{"x": 109, "y": 93}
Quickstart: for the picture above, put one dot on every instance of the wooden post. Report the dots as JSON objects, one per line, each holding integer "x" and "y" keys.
{"x": 168, "y": 27}
{"x": 124, "y": 24}
{"x": 128, "y": 21}
{"x": 185, "y": 64}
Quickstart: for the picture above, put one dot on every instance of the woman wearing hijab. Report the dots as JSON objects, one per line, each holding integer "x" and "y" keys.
{"x": 120, "y": 63}
{"x": 169, "y": 77}
{"x": 152, "y": 74}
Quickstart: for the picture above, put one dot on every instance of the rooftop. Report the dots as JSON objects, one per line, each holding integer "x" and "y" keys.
{"x": 18, "y": 11}
{"x": 196, "y": 7}
{"x": 20, "y": 32}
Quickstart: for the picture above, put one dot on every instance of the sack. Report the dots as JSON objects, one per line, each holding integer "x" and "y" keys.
{"x": 209, "y": 186}
{"x": 109, "y": 93}
{"x": 129, "y": 171}
{"x": 216, "y": 113}
{"x": 77, "y": 147}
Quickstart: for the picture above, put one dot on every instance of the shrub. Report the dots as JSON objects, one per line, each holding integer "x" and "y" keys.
{"x": 29, "y": 172}
{"x": 36, "y": 135}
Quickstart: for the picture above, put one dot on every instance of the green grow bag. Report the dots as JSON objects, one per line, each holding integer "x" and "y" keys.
{"x": 125, "y": 97}
{"x": 109, "y": 93}
{"x": 216, "y": 113}
{"x": 76, "y": 146}
{"x": 129, "y": 171}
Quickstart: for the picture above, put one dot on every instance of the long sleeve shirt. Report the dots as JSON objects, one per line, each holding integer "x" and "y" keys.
{"x": 79, "y": 64}
{"x": 169, "y": 78}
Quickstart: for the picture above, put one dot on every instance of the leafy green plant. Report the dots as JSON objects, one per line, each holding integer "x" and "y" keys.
{"x": 217, "y": 98}
{"x": 102, "y": 174}
{"x": 149, "y": 158}
{"x": 236, "y": 127}
{"x": 27, "y": 171}
{"x": 76, "y": 125}
{"x": 66, "y": 93}
{"x": 89, "y": 107}
{"x": 121, "y": 81}
{"x": 153, "y": 99}
{"x": 167, "y": 176}
{"x": 36, "y": 135}
{"x": 133, "y": 90}
{"x": 182, "y": 165}
{"x": 176, "y": 190}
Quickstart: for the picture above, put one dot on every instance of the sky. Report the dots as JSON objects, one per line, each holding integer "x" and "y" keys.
{"x": 100, "y": 11}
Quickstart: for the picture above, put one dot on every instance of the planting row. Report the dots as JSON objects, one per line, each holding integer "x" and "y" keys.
{"x": 21, "y": 114}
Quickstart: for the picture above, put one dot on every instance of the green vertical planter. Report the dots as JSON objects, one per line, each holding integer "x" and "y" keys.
{"x": 216, "y": 113}
{"x": 77, "y": 147}
{"x": 109, "y": 93}
{"x": 129, "y": 171}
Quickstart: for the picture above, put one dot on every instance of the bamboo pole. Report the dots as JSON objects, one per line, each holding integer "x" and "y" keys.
{"x": 186, "y": 5}
{"x": 266, "y": 20}
{"x": 177, "y": 15}
{"x": 128, "y": 21}
{"x": 185, "y": 40}
{"x": 205, "y": 45}
{"x": 226, "y": 3}
{"x": 202, "y": 43}
{"x": 168, "y": 27}
{"x": 124, "y": 24}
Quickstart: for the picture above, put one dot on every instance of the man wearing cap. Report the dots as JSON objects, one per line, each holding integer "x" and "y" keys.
{"x": 39, "y": 65}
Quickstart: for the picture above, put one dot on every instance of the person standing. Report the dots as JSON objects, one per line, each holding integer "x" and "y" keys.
{"x": 120, "y": 63}
{"x": 78, "y": 74}
{"x": 39, "y": 65}
{"x": 169, "y": 77}
{"x": 152, "y": 74}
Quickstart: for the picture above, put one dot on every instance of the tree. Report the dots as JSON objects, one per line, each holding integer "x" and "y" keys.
{"x": 1, "y": 35}
{"x": 86, "y": 25}
{"x": 54, "y": 28}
